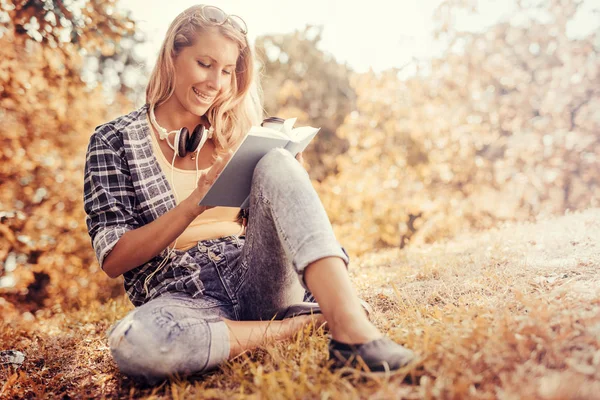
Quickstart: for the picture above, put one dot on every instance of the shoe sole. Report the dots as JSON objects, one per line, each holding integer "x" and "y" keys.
{"x": 307, "y": 308}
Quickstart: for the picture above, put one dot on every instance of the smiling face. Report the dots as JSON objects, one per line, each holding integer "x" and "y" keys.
{"x": 205, "y": 71}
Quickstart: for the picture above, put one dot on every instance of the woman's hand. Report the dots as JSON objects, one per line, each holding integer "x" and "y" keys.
{"x": 139, "y": 245}
{"x": 205, "y": 181}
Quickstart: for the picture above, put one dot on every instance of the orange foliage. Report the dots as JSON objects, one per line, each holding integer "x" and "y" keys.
{"x": 504, "y": 127}
{"x": 47, "y": 114}
{"x": 501, "y": 128}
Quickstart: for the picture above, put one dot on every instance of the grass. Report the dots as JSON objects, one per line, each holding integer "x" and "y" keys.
{"x": 508, "y": 313}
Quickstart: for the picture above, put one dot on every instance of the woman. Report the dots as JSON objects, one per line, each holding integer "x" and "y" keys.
{"x": 206, "y": 289}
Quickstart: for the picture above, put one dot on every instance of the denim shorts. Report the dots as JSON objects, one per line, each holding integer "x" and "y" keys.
{"x": 244, "y": 278}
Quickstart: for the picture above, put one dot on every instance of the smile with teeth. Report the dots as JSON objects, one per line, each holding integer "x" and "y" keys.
{"x": 202, "y": 96}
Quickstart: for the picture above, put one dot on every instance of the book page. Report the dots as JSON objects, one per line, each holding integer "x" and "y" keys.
{"x": 267, "y": 132}
{"x": 299, "y": 144}
{"x": 299, "y": 134}
{"x": 288, "y": 126}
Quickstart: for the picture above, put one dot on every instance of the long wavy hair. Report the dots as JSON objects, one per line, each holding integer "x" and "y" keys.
{"x": 233, "y": 112}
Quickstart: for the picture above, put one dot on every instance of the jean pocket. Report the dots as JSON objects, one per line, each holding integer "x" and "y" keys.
{"x": 232, "y": 265}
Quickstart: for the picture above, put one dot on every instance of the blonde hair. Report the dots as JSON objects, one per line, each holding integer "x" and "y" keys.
{"x": 233, "y": 113}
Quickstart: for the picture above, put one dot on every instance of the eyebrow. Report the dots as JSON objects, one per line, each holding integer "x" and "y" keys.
{"x": 215, "y": 61}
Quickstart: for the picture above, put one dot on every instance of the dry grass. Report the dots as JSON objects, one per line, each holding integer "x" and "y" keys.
{"x": 509, "y": 313}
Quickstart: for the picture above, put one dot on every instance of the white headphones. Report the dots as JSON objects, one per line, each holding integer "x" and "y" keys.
{"x": 183, "y": 143}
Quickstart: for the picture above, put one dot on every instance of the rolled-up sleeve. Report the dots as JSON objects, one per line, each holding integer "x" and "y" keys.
{"x": 109, "y": 196}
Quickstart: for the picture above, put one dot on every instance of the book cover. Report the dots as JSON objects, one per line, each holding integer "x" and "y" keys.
{"x": 232, "y": 187}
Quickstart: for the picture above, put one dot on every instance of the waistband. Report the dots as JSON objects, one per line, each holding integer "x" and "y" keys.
{"x": 229, "y": 238}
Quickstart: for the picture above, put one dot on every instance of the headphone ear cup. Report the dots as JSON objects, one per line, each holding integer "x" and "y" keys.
{"x": 197, "y": 134}
{"x": 184, "y": 137}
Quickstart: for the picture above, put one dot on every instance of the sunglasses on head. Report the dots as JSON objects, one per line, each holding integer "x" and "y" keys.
{"x": 216, "y": 16}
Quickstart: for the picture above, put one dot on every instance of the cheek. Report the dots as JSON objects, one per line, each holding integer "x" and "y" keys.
{"x": 189, "y": 76}
{"x": 181, "y": 80}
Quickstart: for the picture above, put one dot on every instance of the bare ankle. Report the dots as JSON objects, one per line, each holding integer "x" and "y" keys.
{"x": 355, "y": 329}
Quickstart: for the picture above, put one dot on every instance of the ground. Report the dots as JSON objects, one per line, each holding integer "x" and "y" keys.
{"x": 509, "y": 313}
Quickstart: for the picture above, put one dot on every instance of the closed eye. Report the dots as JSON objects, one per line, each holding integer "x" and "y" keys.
{"x": 200, "y": 63}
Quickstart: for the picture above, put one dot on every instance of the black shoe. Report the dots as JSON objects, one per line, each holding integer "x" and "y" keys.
{"x": 307, "y": 308}
{"x": 295, "y": 310}
{"x": 379, "y": 355}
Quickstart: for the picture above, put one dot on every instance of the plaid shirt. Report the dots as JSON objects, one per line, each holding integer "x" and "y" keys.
{"x": 124, "y": 188}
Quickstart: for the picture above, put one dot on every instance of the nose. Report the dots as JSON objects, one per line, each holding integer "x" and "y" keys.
{"x": 214, "y": 80}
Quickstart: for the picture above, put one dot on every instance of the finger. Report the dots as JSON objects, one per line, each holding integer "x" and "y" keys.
{"x": 208, "y": 177}
{"x": 220, "y": 166}
{"x": 202, "y": 178}
{"x": 213, "y": 171}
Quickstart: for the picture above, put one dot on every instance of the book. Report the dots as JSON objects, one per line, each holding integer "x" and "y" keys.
{"x": 232, "y": 187}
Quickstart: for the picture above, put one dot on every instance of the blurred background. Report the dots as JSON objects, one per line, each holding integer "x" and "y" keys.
{"x": 438, "y": 118}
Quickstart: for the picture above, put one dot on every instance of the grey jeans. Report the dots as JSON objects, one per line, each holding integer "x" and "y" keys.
{"x": 245, "y": 278}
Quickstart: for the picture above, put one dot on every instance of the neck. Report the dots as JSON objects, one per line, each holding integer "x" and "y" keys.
{"x": 173, "y": 117}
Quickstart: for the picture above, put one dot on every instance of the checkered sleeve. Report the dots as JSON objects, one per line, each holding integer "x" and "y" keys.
{"x": 109, "y": 196}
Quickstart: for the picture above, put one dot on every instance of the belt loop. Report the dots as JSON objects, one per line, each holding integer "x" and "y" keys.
{"x": 202, "y": 248}
{"x": 237, "y": 241}
{"x": 214, "y": 257}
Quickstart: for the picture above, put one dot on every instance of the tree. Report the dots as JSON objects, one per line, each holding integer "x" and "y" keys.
{"x": 299, "y": 80}
{"x": 48, "y": 113}
{"x": 504, "y": 127}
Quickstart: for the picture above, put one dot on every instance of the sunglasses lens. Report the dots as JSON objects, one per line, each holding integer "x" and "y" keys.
{"x": 214, "y": 14}
{"x": 238, "y": 24}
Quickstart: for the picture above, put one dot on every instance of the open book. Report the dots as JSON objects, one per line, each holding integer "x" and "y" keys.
{"x": 232, "y": 187}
